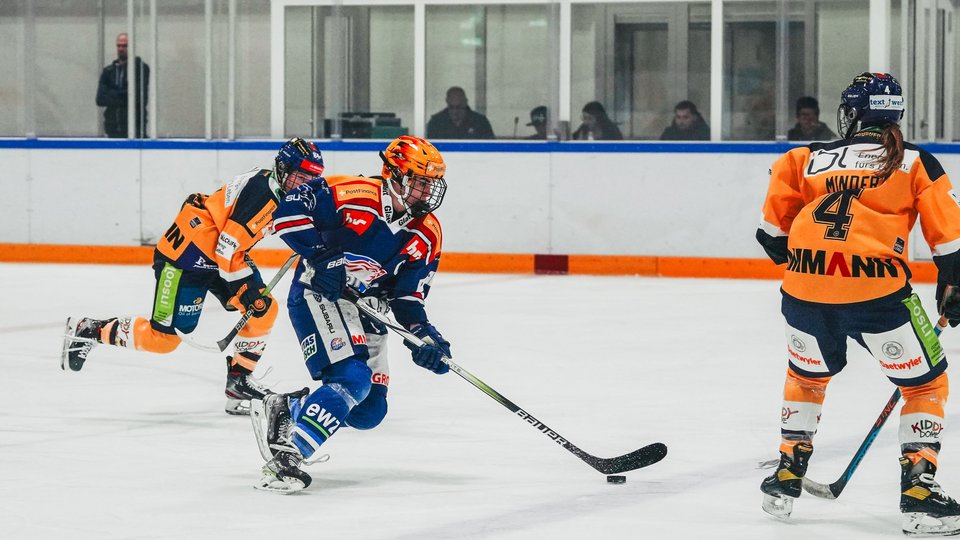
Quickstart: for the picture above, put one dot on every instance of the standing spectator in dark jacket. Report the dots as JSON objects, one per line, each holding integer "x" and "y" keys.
{"x": 688, "y": 124}
{"x": 458, "y": 121}
{"x": 112, "y": 93}
{"x": 809, "y": 127}
{"x": 596, "y": 126}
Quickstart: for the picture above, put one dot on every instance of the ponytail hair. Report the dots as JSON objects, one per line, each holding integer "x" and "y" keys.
{"x": 892, "y": 143}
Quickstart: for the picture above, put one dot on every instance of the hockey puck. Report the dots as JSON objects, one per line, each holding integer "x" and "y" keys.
{"x": 616, "y": 479}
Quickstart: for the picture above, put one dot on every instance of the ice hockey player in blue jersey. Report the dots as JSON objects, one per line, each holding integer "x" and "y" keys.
{"x": 377, "y": 237}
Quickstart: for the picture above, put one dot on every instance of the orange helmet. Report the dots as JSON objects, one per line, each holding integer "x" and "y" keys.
{"x": 418, "y": 168}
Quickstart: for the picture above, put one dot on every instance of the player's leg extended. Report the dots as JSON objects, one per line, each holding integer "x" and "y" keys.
{"x": 334, "y": 346}
{"x": 178, "y": 300}
{"x": 911, "y": 356}
{"x": 815, "y": 351}
{"x": 247, "y": 351}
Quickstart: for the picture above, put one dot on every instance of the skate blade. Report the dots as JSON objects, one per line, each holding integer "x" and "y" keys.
{"x": 920, "y": 525}
{"x": 258, "y": 418}
{"x": 237, "y": 407}
{"x": 777, "y": 506}
{"x": 68, "y": 332}
{"x": 272, "y": 484}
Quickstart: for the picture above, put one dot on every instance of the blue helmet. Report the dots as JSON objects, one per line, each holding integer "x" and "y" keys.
{"x": 871, "y": 99}
{"x": 297, "y": 162}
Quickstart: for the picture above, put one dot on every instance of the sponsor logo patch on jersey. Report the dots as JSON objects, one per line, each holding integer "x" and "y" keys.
{"x": 337, "y": 343}
{"x": 358, "y": 220}
{"x": 359, "y": 339}
{"x": 355, "y": 191}
{"x": 309, "y": 346}
{"x": 380, "y": 378}
{"x": 262, "y": 218}
{"x": 194, "y": 223}
{"x": 226, "y": 245}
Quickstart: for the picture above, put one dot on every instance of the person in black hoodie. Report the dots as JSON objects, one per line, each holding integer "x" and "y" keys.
{"x": 112, "y": 93}
{"x": 688, "y": 124}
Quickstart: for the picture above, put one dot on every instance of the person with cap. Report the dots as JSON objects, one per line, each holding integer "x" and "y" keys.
{"x": 538, "y": 119}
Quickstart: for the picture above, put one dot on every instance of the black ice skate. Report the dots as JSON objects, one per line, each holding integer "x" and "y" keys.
{"x": 785, "y": 485}
{"x": 927, "y": 510}
{"x": 241, "y": 388}
{"x": 79, "y": 338}
{"x": 272, "y": 424}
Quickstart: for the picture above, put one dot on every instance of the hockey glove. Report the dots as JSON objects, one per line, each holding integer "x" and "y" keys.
{"x": 430, "y": 356}
{"x": 252, "y": 298}
{"x": 948, "y": 303}
{"x": 329, "y": 274}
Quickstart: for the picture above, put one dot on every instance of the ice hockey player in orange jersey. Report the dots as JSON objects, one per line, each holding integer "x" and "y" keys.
{"x": 205, "y": 249}
{"x": 839, "y": 216}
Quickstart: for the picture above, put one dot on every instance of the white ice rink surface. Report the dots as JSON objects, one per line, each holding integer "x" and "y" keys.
{"x": 136, "y": 446}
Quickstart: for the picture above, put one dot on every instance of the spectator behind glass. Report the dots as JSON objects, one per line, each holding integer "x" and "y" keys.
{"x": 112, "y": 93}
{"x": 596, "y": 125}
{"x": 458, "y": 121}
{"x": 538, "y": 119}
{"x": 688, "y": 124}
{"x": 809, "y": 127}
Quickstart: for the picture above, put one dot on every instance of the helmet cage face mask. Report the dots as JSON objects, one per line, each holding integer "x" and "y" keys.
{"x": 422, "y": 194}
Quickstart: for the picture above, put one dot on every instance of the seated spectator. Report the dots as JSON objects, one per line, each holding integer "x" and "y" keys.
{"x": 538, "y": 119}
{"x": 596, "y": 125}
{"x": 688, "y": 124}
{"x": 458, "y": 121}
{"x": 809, "y": 127}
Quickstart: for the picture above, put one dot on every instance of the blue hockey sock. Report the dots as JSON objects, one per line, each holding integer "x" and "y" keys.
{"x": 318, "y": 418}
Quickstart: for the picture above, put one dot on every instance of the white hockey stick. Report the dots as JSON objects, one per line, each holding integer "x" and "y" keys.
{"x": 225, "y": 342}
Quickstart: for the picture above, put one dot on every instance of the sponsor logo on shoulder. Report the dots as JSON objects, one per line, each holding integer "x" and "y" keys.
{"x": 194, "y": 223}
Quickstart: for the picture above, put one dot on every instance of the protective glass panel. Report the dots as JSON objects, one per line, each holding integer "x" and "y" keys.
{"x": 477, "y": 85}
{"x": 349, "y": 71}
{"x": 633, "y": 64}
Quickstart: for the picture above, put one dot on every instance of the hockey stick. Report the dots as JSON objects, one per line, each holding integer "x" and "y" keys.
{"x": 832, "y": 491}
{"x": 225, "y": 342}
{"x": 648, "y": 455}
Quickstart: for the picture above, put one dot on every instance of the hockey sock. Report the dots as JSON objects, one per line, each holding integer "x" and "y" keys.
{"x": 319, "y": 416}
{"x": 800, "y": 414}
{"x": 921, "y": 419}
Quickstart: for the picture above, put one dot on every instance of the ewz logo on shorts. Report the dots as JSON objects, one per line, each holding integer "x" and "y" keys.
{"x": 321, "y": 419}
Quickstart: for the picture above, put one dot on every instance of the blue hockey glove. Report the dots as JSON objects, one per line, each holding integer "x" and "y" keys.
{"x": 948, "y": 302}
{"x": 430, "y": 356}
{"x": 252, "y": 299}
{"x": 329, "y": 274}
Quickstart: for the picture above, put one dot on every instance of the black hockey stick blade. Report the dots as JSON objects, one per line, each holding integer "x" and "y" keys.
{"x": 638, "y": 459}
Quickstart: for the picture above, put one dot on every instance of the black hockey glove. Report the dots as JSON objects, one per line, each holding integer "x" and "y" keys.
{"x": 948, "y": 303}
{"x": 252, "y": 298}
{"x": 329, "y": 274}
{"x": 430, "y": 356}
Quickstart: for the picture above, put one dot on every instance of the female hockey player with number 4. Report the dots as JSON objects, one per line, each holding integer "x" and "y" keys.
{"x": 379, "y": 237}
{"x": 206, "y": 250}
{"x": 839, "y": 215}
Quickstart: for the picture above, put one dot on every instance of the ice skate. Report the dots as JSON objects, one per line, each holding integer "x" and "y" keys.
{"x": 271, "y": 421}
{"x": 282, "y": 474}
{"x": 786, "y": 484}
{"x": 927, "y": 510}
{"x": 79, "y": 338}
{"x": 241, "y": 388}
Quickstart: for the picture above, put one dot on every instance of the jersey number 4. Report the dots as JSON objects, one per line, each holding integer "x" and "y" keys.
{"x": 834, "y": 211}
